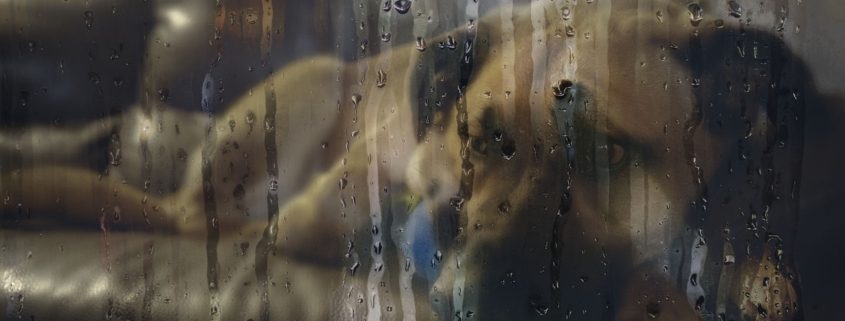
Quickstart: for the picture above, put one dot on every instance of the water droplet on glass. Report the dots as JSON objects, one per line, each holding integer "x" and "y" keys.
{"x": 385, "y": 37}
{"x": 381, "y": 78}
{"x": 696, "y": 13}
{"x": 653, "y": 310}
{"x": 504, "y": 207}
{"x": 88, "y": 19}
{"x": 735, "y": 8}
{"x": 420, "y": 44}
{"x": 94, "y": 78}
{"x": 356, "y": 98}
{"x": 402, "y": 6}
{"x": 163, "y": 94}
{"x": 457, "y": 203}
{"x": 562, "y": 88}
{"x": 570, "y": 31}
{"x": 541, "y": 310}
{"x": 450, "y": 43}
{"x": 251, "y": 18}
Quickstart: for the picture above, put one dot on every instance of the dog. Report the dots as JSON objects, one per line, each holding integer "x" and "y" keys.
{"x": 610, "y": 176}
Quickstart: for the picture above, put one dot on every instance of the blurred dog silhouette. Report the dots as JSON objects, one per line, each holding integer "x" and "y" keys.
{"x": 652, "y": 175}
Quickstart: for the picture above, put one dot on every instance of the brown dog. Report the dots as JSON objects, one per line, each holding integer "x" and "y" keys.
{"x": 640, "y": 165}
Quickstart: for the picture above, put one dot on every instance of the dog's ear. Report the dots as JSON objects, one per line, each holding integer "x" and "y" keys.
{"x": 445, "y": 65}
{"x": 749, "y": 91}
{"x": 440, "y": 67}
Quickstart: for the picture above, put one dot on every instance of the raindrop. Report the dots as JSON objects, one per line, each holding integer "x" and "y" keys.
{"x": 250, "y": 119}
{"x": 385, "y": 37}
{"x": 251, "y": 18}
{"x": 23, "y": 101}
{"x": 114, "y": 150}
{"x": 566, "y": 14}
{"x": 115, "y": 54}
{"x": 562, "y": 88}
{"x": 729, "y": 259}
{"x": 570, "y": 31}
{"x": 457, "y": 203}
{"x": 402, "y": 6}
{"x": 450, "y": 43}
{"x": 653, "y": 310}
{"x": 659, "y": 15}
{"x": 504, "y": 207}
{"x": 541, "y": 310}
{"x": 381, "y": 78}
{"x": 420, "y": 44}
{"x": 94, "y": 78}
{"x": 696, "y": 13}
{"x": 163, "y": 94}
{"x": 386, "y": 6}
{"x": 735, "y": 8}
{"x": 88, "y": 19}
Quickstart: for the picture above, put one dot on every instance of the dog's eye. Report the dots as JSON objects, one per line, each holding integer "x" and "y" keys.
{"x": 617, "y": 155}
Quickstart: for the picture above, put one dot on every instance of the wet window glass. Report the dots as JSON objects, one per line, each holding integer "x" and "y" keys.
{"x": 421, "y": 160}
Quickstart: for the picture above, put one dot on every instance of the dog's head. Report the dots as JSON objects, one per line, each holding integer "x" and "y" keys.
{"x": 614, "y": 162}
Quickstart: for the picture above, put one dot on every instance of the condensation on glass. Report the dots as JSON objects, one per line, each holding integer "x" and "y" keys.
{"x": 420, "y": 160}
